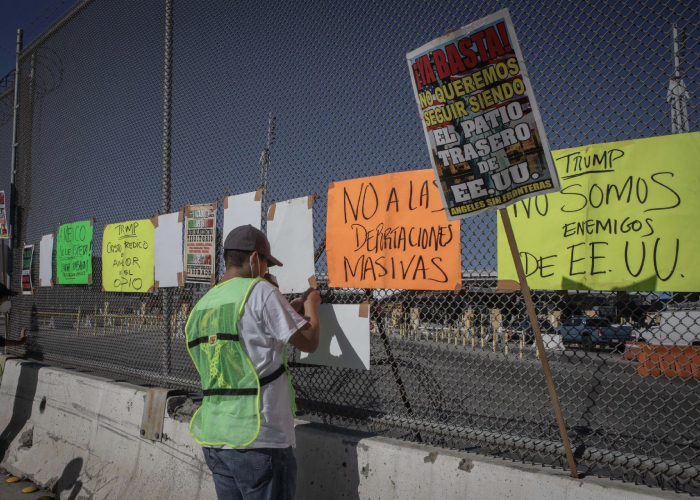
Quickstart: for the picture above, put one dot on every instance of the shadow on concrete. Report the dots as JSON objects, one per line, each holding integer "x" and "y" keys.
{"x": 68, "y": 482}
{"x": 335, "y": 476}
{"x": 22, "y": 408}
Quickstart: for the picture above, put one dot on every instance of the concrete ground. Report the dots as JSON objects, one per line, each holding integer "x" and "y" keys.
{"x": 13, "y": 491}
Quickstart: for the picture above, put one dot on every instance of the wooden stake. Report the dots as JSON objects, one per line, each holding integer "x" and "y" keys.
{"x": 538, "y": 339}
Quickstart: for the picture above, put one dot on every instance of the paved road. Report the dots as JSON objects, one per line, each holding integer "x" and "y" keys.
{"x": 605, "y": 403}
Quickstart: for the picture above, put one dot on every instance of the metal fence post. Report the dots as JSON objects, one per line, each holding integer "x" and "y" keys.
{"x": 166, "y": 297}
{"x": 15, "y": 145}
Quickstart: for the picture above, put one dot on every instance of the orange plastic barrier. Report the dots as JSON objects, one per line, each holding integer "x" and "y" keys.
{"x": 669, "y": 361}
{"x": 632, "y": 350}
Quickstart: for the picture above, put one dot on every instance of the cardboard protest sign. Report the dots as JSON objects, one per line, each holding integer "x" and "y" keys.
{"x": 390, "y": 231}
{"x": 127, "y": 256}
{"x": 74, "y": 253}
{"x": 200, "y": 242}
{"x": 487, "y": 144}
{"x": 27, "y": 258}
{"x": 3, "y": 217}
{"x": 625, "y": 220}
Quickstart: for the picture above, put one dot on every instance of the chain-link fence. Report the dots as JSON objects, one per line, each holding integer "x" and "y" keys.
{"x": 452, "y": 369}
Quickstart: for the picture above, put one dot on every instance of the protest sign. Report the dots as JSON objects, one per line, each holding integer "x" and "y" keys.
{"x": 290, "y": 230}
{"x": 74, "y": 253}
{"x": 625, "y": 220}
{"x": 167, "y": 250}
{"x": 27, "y": 257}
{"x": 3, "y": 217}
{"x": 46, "y": 260}
{"x": 242, "y": 209}
{"x": 484, "y": 132}
{"x": 200, "y": 242}
{"x": 390, "y": 231}
{"x": 127, "y": 256}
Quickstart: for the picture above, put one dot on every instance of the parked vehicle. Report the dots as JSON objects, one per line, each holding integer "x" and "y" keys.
{"x": 589, "y": 332}
{"x": 679, "y": 328}
{"x": 522, "y": 327}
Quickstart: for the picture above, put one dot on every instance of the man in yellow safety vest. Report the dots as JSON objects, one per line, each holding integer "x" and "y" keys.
{"x": 236, "y": 336}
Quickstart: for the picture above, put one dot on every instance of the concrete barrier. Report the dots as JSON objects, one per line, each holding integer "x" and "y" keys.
{"x": 78, "y": 434}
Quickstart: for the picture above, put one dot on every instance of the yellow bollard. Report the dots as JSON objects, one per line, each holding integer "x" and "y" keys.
{"x": 456, "y": 334}
{"x": 104, "y": 319}
{"x": 522, "y": 345}
{"x": 494, "y": 341}
{"x": 77, "y": 329}
{"x": 506, "y": 342}
{"x": 483, "y": 339}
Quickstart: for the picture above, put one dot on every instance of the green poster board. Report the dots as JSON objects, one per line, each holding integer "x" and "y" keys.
{"x": 74, "y": 253}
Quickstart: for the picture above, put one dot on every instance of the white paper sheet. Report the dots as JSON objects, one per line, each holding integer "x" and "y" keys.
{"x": 46, "y": 260}
{"x": 167, "y": 249}
{"x": 291, "y": 235}
{"x": 240, "y": 210}
{"x": 344, "y": 338}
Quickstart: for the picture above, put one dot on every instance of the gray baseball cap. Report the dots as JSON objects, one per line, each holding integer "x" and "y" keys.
{"x": 249, "y": 239}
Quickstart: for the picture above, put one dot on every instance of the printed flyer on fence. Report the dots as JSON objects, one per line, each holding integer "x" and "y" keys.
{"x": 200, "y": 240}
{"x": 3, "y": 217}
{"x": 487, "y": 144}
{"x": 27, "y": 257}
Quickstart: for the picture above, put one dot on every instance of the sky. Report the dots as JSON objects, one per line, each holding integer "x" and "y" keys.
{"x": 33, "y": 16}
{"x": 334, "y": 75}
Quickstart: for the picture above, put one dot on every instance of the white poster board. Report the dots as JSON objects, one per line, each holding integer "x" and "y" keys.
{"x": 242, "y": 209}
{"x": 290, "y": 230}
{"x": 167, "y": 248}
{"x": 344, "y": 337}
{"x": 46, "y": 261}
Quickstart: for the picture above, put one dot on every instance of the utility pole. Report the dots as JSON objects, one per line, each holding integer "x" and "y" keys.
{"x": 166, "y": 170}
{"x": 12, "y": 219}
{"x": 265, "y": 165}
{"x": 678, "y": 95}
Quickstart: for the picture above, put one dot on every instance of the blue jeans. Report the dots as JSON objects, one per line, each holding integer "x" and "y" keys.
{"x": 253, "y": 474}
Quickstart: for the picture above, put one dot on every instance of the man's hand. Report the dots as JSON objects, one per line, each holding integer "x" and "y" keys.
{"x": 312, "y": 301}
{"x": 298, "y": 303}
{"x": 307, "y": 338}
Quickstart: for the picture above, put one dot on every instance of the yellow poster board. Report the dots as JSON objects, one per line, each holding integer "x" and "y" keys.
{"x": 127, "y": 257}
{"x": 625, "y": 219}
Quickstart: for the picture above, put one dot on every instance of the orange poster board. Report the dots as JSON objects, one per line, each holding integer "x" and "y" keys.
{"x": 391, "y": 231}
